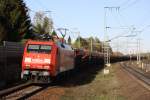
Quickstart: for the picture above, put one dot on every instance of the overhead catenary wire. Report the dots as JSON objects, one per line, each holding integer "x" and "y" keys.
{"x": 130, "y": 5}
{"x": 124, "y": 3}
{"x": 117, "y": 19}
{"x": 39, "y": 3}
{"x": 44, "y": 8}
{"x": 121, "y": 26}
{"x": 146, "y": 18}
{"x": 123, "y": 19}
{"x": 130, "y": 28}
{"x": 127, "y": 4}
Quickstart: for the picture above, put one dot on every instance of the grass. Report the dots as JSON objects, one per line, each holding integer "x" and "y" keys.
{"x": 103, "y": 87}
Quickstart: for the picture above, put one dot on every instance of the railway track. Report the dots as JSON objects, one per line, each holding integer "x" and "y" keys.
{"x": 22, "y": 91}
{"x": 137, "y": 75}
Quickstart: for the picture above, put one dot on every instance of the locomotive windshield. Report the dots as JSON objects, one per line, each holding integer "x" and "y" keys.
{"x": 37, "y": 48}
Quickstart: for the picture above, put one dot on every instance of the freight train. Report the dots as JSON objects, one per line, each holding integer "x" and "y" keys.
{"x": 44, "y": 60}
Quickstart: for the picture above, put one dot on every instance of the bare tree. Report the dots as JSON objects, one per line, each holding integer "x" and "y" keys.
{"x": 42, "y": 24}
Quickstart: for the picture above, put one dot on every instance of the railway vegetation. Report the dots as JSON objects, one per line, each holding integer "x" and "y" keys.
{"x": 85, "y": 43}
{"x": 42, "y": 24}
{"x": 15, "y": 22}
{"x": 88, "y": 43}
{"x": 15, "y": 25}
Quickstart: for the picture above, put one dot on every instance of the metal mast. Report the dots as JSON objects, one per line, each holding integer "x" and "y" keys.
{"x": 106, "y": 47}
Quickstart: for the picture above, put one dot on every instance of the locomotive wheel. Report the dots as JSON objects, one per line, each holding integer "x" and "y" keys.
{"x": 45, "y": 79}
{"x": 25, "y": 77}
{"x": 33, "y": 78}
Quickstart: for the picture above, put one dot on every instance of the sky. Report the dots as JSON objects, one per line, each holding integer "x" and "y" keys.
{"x": 89, "y": 18}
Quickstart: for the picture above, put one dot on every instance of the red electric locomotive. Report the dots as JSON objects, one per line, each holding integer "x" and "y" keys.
{"x": 43, "y": 60}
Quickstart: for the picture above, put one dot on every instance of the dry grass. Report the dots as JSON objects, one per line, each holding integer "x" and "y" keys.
{"x": 103, "y": 87}
{"x": 91, "y": 84}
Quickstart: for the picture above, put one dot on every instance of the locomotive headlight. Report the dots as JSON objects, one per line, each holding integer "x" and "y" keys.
{"x": 27, "y": 59}
{"x": 46, "y": 73}
{"x": 46, "y": 67}
{"x": 26, "y": 72}
{"x": 47, "y": 61}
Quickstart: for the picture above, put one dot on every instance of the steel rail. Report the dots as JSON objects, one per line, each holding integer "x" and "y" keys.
{"x": 8, "y": 91}
{"x": 139, "y": 76}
